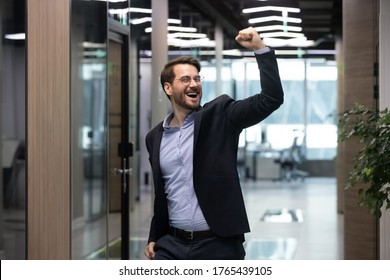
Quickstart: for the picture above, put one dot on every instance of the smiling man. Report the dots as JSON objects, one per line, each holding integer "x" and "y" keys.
{"x": 199, "y": 211}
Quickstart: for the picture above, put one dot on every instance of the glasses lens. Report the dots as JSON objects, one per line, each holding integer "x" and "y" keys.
{"x": 198, "y": 79}
{"x": 185, "y": 79}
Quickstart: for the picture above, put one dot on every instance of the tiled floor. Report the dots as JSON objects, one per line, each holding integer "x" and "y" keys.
{"x": 315, "y": 235}
{"x": 289, "y": 220}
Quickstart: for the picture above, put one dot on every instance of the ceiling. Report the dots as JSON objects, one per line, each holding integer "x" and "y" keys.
{"x": 321, "y": 21}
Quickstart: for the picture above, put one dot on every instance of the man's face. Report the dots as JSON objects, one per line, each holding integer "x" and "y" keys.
{"x": 185, "y": 91}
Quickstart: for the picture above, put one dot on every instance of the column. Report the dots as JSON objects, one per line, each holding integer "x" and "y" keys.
{"x": 48, "y": 129}
{"x": 159, "y": 58}
{"x": 359, "y": 22}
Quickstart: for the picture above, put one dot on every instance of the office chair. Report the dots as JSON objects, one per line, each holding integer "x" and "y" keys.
{"x": 290, "y": 159}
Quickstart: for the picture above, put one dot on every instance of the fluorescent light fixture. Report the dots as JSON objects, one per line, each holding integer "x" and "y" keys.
{"x": 15, "y": 36}
{"x": 270, "y": 8}
{"x": 294, "y": 42}
{"x": 140, "y": 20}
{"x": 281, "y": 34}
{"x": 149, "y": 19}
{"x": 300, "y": 42}
{"x": 278, "y": 27}
{"x": 92, "y": 45}
{"x": 131, "y": 10}
{"x": 175, "y": 28}
{"x": 174, "y": 21}
{"x": 187, "y": 35}
{"x": 274, "y": 18}
{"x": 181, "y": 43}
{"x": 140, "y": 10}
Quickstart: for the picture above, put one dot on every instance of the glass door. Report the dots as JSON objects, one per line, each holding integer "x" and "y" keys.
{"x": 89, "y": 95}
{"x": 100, "y": 133}
{"x": 13, "y": 169}
{"x": 120, "y": 150}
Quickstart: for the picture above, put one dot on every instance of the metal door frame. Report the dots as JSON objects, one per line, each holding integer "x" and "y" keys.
{"x": 121, "y": 34}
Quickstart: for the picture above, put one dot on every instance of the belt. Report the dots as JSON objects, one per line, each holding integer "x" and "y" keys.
{"x": 191, "y": 235}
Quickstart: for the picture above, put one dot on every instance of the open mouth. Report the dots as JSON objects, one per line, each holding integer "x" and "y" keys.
{"x": 192, "y": 94}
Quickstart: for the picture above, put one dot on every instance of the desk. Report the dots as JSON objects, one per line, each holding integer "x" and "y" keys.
{"x": 266, "y": 168}
{"x": 261, "y": 164}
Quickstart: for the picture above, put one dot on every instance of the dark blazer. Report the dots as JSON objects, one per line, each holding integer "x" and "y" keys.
{"x": 217, "y": 126}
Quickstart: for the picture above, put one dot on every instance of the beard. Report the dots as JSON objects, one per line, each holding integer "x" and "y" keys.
{"x": 188, "y": 101}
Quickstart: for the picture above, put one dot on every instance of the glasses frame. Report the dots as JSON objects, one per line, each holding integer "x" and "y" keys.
{"x": 186, "y": 80}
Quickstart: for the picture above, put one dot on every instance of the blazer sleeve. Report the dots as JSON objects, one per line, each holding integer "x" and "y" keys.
{"x": 254, "y": 109}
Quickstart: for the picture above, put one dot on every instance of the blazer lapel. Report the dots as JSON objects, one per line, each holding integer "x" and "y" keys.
{"x": 197, "y": 123}
{"x": 156, "y": 147}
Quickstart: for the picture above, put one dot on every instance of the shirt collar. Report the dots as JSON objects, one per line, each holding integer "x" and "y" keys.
{"x": 187, "y": 122}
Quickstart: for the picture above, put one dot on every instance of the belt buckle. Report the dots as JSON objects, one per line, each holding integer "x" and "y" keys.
{"x": 191, "y": 233}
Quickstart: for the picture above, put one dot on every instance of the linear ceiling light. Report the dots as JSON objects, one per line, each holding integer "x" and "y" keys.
{"x": 278, "y": 27}
{"x": 15, "y": 36}
{"x": 175, "y": 28}
{"x": 281, "y": 34}
{"x": 187, "y": 35}
{"x": 92, "y": 45}
{"x": 270, "y": 8}
{"x": 140, "y": 10}
{"x": 294, "y": 42}
{"x": 131, "y": 10}
{"x": 275, "y": 18}
{"x": 149, "y": 19}
{"x": 140, "y": 20}
{"x": 181, "y": 43}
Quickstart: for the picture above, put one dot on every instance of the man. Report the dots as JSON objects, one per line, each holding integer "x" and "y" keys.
{"x": 199, "y": 211}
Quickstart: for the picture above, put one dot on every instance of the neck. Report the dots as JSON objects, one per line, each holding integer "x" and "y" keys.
{"x": 179, "y": 118}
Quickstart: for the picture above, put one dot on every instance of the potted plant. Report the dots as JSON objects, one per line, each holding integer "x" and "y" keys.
{"x": 372, "y": 162}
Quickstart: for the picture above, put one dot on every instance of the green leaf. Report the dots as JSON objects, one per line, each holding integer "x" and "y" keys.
{"x": 372, "y": 161}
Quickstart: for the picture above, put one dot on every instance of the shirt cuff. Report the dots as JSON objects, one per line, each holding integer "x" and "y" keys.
{"x": 263, "y": 50}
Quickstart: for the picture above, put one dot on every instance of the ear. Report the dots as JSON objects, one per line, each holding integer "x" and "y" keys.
{"x": 168, "y": 88}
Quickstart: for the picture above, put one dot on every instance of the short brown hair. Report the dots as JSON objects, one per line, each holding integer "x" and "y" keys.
{"x": 167, "y": 74}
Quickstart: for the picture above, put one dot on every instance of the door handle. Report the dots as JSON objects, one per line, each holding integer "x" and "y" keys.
{"x": 123, "y": 173}
{"x": 118, "y": 171}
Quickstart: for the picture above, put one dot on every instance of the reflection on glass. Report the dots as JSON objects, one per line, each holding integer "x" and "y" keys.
{"x": 13, "y": 137}
{"x": 271, "y": 248}
{"x": 119, "y": 11}
{"x": 89, "y": 144}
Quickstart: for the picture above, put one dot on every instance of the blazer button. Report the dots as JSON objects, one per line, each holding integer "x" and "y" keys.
{"x": 197, "y": 188}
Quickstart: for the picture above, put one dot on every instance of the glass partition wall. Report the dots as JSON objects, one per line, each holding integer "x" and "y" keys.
{"x": 89, "y": 129}
{"x": 310, "y": 106}
{"x": 103, "y": 169}
{"x": 13, "y": 131}
{"x": 307, "y": 117}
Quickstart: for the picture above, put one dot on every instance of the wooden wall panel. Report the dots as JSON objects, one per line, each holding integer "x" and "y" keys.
{"x": 48, "y": 114}
{"x": 360, "y": 228}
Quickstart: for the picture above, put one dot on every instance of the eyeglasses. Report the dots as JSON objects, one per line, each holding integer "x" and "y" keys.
{"x": 186, "y": 80}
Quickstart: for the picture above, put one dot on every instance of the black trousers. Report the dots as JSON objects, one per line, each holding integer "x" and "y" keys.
{"x": 214, "y": 248}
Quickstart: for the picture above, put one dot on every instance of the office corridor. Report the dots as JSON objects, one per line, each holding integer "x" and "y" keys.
{"x": 289, "y": 220}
